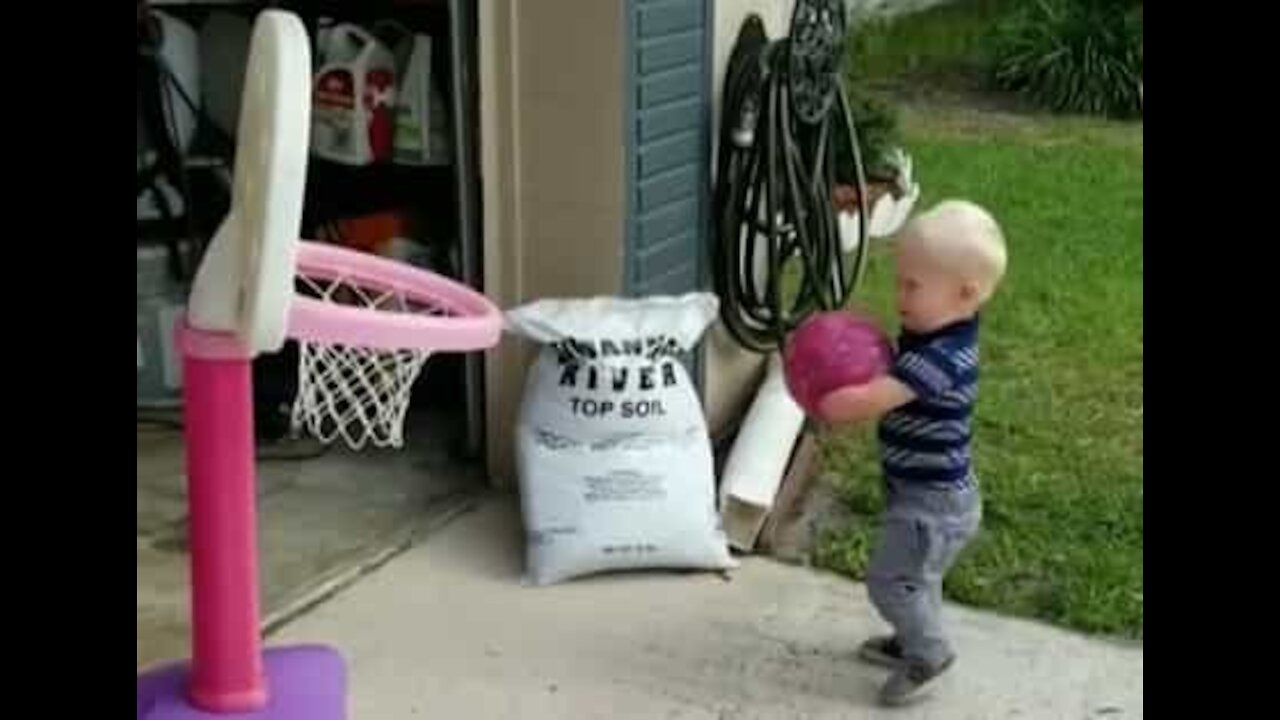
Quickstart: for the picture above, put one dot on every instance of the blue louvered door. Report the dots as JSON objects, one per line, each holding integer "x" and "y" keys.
{"x": 668, "y": 118}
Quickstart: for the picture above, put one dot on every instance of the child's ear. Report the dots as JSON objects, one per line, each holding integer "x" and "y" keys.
{"x": 969, "y": 291}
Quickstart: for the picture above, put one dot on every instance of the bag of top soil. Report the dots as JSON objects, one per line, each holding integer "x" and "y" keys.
{"x": 613, "y": 453}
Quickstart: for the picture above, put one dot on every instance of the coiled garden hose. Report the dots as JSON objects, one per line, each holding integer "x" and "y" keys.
{"x": 783, "y": 104}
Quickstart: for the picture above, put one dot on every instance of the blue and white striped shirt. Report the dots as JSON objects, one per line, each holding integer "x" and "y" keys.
{"x": 927, "y": 440}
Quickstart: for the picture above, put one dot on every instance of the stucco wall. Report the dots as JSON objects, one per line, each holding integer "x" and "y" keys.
{"x": 551, "y": 104}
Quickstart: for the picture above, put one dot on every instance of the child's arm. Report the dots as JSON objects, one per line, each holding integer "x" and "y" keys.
{"x": 857, "y": 403}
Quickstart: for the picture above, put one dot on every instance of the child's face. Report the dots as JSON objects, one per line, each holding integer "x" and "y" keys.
{"x": 930, "y": 297}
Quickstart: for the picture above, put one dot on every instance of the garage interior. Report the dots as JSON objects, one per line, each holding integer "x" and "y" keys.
{"x": 327, "y": 514}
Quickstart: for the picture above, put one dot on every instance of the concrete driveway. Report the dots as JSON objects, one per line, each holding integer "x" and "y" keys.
{"x": 446, "y": 630}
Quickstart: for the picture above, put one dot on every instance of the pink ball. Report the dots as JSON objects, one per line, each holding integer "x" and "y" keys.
{"x": 831, "y": 350}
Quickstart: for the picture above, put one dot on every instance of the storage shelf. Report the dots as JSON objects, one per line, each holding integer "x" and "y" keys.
{"x": 337, "y": 191}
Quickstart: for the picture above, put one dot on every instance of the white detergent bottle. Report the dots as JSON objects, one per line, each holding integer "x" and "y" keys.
{"x": 422, "y": 130}
{"x": 353, "y": 97}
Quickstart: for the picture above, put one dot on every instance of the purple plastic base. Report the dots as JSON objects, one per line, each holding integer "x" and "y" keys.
{"x": 307, "y": 682}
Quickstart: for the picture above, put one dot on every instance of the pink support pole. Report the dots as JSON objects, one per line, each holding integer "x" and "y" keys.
{"x": 227, "y": 669}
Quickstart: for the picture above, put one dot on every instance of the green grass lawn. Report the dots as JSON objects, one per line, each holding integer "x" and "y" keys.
{"x": 1059, "y": 419}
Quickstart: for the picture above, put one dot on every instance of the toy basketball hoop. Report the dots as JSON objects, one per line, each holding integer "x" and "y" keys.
{"x": 365, "y": 325}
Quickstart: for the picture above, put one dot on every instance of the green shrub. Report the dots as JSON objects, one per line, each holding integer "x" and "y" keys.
{"x": 1074, "y": 56}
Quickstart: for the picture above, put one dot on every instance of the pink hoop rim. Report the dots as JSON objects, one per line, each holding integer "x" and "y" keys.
{"x": 475, "y": 322}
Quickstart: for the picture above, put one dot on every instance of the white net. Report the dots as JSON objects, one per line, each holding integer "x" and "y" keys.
{"x": 357, "y": 394}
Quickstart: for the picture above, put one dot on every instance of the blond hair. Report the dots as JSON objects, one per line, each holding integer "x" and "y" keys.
{"x": 961, "y": 237}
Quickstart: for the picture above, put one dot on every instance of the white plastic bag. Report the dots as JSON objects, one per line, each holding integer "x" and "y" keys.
{"x": 613, "y": 453}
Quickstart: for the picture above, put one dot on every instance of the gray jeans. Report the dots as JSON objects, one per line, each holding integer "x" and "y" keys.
{"x": 925, "y": 528}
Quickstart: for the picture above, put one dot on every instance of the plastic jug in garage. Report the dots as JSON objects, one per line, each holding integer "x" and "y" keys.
{"x": 353, "y": 98}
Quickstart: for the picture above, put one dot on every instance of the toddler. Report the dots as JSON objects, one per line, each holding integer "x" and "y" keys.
{"x": 949, "y": 261}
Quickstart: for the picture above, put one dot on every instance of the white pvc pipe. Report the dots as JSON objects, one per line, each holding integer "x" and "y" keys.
{"x": 758, "y": 459}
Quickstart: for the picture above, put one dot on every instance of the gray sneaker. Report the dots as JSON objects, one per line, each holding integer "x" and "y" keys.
{"x": 910, "y": 682}
{"x": 883, "y": 651}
